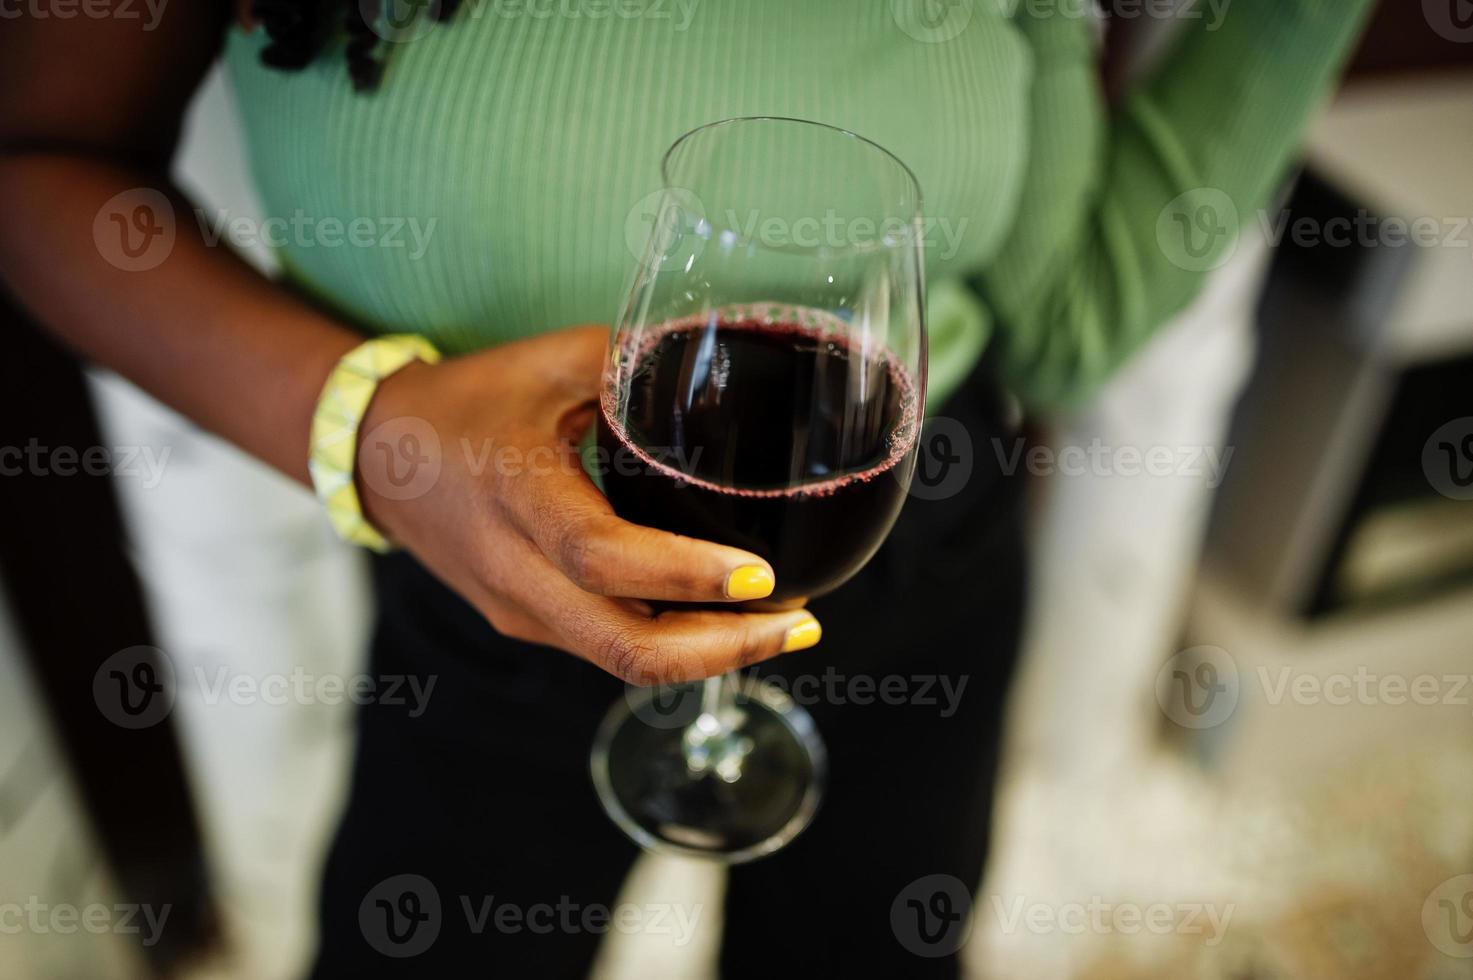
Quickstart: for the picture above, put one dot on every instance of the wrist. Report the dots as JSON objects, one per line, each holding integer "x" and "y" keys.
{"x": 391, "y": 449}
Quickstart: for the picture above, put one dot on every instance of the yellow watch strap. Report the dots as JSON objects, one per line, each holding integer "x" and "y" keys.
{"x": 340, "y": 410}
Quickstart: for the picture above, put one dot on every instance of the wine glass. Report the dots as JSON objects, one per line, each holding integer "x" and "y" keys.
{"x": 764, "y": 389}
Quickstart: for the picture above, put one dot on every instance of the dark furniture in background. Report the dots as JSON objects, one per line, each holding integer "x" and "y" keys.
{"x": 76, "y": 601}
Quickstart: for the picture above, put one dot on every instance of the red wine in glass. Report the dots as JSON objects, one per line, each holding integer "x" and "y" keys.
{"x": 774, "y": 437}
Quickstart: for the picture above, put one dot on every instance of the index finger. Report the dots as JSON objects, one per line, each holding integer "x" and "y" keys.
{"x": 576, "y": 528}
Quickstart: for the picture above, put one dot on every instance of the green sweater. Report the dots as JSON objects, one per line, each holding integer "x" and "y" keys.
{"x": 506, "y": 153}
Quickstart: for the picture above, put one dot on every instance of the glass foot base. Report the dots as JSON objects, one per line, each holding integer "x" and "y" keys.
{"x": 732, "y": 785}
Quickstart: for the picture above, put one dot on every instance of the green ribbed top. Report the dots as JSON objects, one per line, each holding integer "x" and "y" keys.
{"x": 517, "y": 139}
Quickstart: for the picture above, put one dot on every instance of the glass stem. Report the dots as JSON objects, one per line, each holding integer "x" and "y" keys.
{"x": 714, "y": 696}
{"x": 712, "y": 744}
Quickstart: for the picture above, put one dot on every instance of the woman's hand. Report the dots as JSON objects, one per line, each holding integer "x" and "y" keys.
{"x": 472, "y": 465}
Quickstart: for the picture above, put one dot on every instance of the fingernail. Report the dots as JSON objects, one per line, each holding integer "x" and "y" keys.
{"x": 802, "y": 636}
{"x": 749, "y": 582}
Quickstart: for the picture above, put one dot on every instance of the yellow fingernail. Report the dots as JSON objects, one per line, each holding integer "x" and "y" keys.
{"x": 749, "y": 582}
{"x": 802, "y": 636}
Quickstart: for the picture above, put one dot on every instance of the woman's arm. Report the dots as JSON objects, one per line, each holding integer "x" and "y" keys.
{"x": 1084, "y": 281}
{"x": 92, "y": 110}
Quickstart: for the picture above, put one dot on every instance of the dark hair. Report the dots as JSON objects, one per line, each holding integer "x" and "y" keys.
{"x": 299, "y": 29}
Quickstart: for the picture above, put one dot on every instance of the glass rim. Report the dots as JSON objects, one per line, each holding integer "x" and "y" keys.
{"x": 915, "y": 183}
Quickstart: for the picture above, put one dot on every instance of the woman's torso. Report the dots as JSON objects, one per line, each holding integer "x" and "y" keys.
{"x": 502, "y": 163}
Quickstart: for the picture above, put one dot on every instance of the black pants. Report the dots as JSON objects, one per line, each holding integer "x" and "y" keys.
{"x": 473, "y": 844}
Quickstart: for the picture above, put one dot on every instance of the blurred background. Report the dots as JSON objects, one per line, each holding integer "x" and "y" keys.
{"x": 1242, "y": 745}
